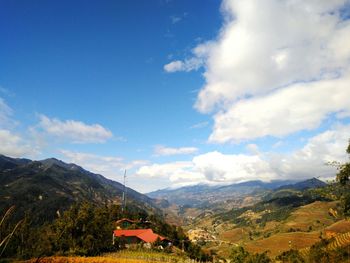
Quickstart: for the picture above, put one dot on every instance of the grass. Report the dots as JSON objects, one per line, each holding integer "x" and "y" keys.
{"x": 339, "y": 227}
{"x": 148, "y": 255}
{"x": 315, "y": 215}
{"x": 235, "y": 235}
{"x": 125, "y": 256}
{"x": 278, "y": 243}
{"x": 85, "y": 260}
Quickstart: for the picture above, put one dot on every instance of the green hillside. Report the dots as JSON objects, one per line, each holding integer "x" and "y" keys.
{"x": 46, "y": 188}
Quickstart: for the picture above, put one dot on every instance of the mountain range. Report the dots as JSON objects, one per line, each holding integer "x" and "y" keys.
{"x": 209, "y": 195}
{"x": 48, "y": 187}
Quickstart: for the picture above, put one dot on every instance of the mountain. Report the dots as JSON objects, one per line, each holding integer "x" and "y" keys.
{"x": 48, "y": 187}
{"x": 8, "y": 163}
{"x": 206, "y": 195}
{"x": 303, "y": 185}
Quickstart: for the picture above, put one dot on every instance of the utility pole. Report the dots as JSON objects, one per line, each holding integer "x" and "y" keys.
{"x": 124, "y": 193}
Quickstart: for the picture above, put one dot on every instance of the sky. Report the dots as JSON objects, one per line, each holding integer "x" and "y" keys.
{"x": 178, "y": 92}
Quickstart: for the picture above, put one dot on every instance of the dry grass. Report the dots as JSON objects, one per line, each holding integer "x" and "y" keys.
{"x": 235, "y": 235}
{"x": 86, "y": 260}
{"x": 278, "y": 243}
{"x": 315, "y": 215}
{"x": 127, "y": 256}
{"x": 339, "y": 227}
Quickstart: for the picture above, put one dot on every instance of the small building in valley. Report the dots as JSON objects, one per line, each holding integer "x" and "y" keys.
{"x": 137, "y": 236}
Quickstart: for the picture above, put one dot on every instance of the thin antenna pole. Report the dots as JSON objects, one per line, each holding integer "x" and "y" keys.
{"x": 126, "y": 189}
{"x": 124, "y": 193}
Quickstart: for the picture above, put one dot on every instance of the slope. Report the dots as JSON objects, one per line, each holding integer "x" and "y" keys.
{"x": 46, "y": 188}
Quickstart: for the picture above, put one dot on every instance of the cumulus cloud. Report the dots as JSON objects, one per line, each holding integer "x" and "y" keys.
{"x": 218, "y": 168}
{"x": 178, "y": 173}
{"x": 298, "y": 107}
{"x": 274, "y": 60}
{"x": 186, "y": 65}
{"x": 312, "y": 159}
{"x": 211, "y": 168}
{"x": 76, "y": 131}
{"x": 5, "y": 114}
{"x": 163, "y": 150}
{"x": 14, "y": 145}
{"x": 110, "y": 166}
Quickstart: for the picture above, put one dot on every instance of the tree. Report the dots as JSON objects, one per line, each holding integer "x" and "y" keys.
{"x": 291, "y": 256}
{"x": 240, "y": 255}
{"x": 344, "y": 170}
{"x": 84, "y": 230}
{"x": 343, "y": 176}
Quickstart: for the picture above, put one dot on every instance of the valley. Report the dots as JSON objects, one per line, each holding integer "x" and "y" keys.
{"x": 261, "y": 218}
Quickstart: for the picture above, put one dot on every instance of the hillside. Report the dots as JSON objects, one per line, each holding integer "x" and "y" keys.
{"x": 283, "y": 219}
{"x": 46, "y": 188}
{"x": 207, "y": 195}
{"x": 192, "y": 203}
{"x": 303, "y": 185}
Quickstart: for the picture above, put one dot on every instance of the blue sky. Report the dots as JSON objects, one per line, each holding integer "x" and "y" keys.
{"x": 177, "y": 92}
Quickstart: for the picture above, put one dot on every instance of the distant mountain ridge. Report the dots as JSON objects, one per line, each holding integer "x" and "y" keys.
{"x": 201, "y": 195}
{"x": 303, "y": 185}
{"x": 47, "y": 186}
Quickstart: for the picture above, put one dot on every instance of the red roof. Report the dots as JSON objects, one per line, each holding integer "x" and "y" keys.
{"x": 145, "y": 235}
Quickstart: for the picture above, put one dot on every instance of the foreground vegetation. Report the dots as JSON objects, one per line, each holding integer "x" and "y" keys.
{"x": 85, "y": 230}
{"x": 127, "y": 256}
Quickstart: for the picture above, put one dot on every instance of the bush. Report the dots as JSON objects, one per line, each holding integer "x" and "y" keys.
{"x": 291, "y": 256}
{"x": 240, "y": 255}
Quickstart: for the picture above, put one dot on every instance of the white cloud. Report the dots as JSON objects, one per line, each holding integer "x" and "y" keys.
{"x": 163, "y": 150}
{"x": 175, "y": 19}
{"x": 218, "y": 168}
{"x": 76, "y": 131}
{"x": 265, "y": 52}
{"x": 5, "y": 114}
{"x": 186, "y": 65}
{"x": 253, "y": 148}
{"x": 312, "y": 159}
{"x": 110, "y": 166}
{"x": 211, "y": 168}
{"x": 11, "y": 143}
{"x": 200, "y": 125}
{"x": 14, "y": 145}
{"x": 298, "y": 107}
{"x": 266, "y": 45}
{"x": 178, "y": 173}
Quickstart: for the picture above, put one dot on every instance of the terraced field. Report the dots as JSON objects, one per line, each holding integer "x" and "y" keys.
{"x": 341, "y": 240}
{"x": 315, "y": 215}
{"x": 278, "y": 243}
{"x": 235, "y": 235}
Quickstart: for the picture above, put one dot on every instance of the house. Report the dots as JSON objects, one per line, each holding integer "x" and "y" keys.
{"x": 136, "y": 236}
{"x": 125, "y": 223}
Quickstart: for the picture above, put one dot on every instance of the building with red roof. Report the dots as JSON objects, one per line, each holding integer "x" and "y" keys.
{"x": 135, "y": 236}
